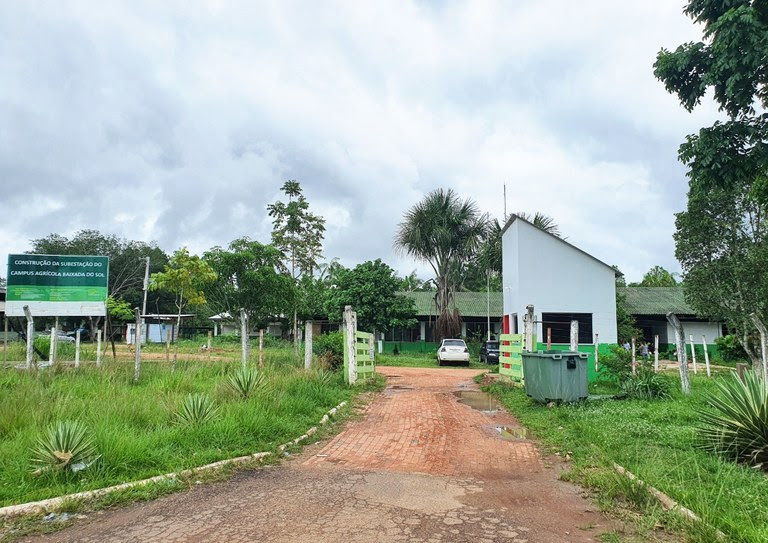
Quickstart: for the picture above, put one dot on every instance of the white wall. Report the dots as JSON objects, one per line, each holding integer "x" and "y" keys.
{"x": 712, "y": 330}
{"x": 555, "y": 277}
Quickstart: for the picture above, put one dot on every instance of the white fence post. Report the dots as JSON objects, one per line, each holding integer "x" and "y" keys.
{"x": 574, "y": 335}
{"x": 244, "y": 337}
{"x": 137, "y": 344}
{"x": 307, "y": 345}
{"x": 656, "y": 353}
{"x": 682, "y": 357}
{"x": 52, "y": 347}
{"x": 30, "y": 336}
{"x": 350, "y": 320}
{"x": 634, "y": 357}
{"x": 706, "y": 354}
{"x": 77, "y": 348}
{"x": 98, "y": 348}
{"x": 261, "y": 348}
{"x": 528, "y": 324}
{"x": 597, "y": 354}
{"x": 693, "y": 355}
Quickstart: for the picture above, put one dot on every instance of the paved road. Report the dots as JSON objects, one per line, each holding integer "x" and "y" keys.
{"x": 418, "y": 466}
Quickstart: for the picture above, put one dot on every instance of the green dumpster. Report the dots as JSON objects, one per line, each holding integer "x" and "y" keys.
{"x": 559, "y": 376}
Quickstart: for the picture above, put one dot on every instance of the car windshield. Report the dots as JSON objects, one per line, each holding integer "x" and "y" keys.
{"x": 493, "y": 344}
{"x": 454, "y": 343}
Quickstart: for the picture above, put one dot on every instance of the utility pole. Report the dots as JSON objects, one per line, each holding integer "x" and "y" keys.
{"x": 505, "y": 203}
{"x": 488, "y": 304}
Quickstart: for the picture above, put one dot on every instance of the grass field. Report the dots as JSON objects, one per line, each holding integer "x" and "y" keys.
{"x": 134, "y": 426}
{"x": 656, "y": 440}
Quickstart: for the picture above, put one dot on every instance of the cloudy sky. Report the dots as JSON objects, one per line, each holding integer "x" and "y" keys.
{"x": 178, "y": 121}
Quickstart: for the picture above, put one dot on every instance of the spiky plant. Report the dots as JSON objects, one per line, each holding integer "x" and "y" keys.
{"x": 646, "y": 385}
{"x": 65, "y": 446}
{"x": 196, "y": 409}
{"x": 245, "y": 381}
{"x": 737, "y": 424}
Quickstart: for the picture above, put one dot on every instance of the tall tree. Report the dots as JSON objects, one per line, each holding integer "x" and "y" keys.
{"x": 657, "y": 277}
{"x": 186, "y": 277}
{"x": 298, "y": 234}
{"x": 247, "y": 277}
{"x": 371, "y": 289}
{"x": 721, "y": 237}
{"x": 445, "y": 232}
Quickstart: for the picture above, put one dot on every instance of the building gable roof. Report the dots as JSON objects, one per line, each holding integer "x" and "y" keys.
{"x": 469, "y": 304}
{"x": 513, "y": 218}
{"x": 655, "y": 300}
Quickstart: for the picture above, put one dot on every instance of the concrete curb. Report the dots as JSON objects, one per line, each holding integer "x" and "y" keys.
{"x": 665, "y": 501}
{"x": 43, "y": 506}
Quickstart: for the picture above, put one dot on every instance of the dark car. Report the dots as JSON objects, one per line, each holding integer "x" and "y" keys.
{"x": 489, "y": 352}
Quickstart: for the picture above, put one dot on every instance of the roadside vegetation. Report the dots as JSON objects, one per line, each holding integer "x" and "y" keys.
{"x": 204, "y": 411}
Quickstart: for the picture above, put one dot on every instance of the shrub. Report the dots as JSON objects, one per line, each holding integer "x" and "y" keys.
{"x": 646, "y": 384}
{"x": 616, "y": 365}
{"x": 245, "y": 381}
{"x": 729, "y": 349}
{"x": 65, "y": 446}
{"x": 737, "y": 425}
{"x": 329, "y": 349}
{"x": 196, "y": 409}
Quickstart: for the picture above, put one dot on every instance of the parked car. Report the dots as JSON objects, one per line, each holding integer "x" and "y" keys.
{"x": 85, "y": 334}
{"x": 453, "y": 350}
{"x": 489, "y": 352}
{"x": 60, "y": 336}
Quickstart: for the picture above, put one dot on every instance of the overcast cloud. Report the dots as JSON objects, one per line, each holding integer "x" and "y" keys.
{"x": 179, "y": 121}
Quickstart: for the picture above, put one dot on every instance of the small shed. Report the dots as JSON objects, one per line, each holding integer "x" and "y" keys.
{"x": 561, "y": 281}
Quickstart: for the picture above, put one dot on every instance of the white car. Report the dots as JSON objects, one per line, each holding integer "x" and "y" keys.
{"x": 453, "y": 350}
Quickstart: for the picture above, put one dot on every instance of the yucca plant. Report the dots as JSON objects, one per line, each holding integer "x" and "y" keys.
{"x": 245, "y": 381}
{"x": 65, "y": 446}
{"x": 737, "y": 424}
{"x": 196, "y": 409}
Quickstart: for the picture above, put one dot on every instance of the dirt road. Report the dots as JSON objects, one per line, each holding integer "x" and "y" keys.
{"x": 419, "y": 466}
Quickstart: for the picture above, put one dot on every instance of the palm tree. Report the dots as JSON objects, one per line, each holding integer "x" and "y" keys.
{"x": 445, "y": 232}
{"x": 542, "y": 221}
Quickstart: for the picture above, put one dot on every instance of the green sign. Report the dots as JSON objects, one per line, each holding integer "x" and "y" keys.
{"x": 57, "y": 285}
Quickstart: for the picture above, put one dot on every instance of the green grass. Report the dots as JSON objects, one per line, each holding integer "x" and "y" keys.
{"x": 134, "y": 427}
{"x": 657, "y": 441}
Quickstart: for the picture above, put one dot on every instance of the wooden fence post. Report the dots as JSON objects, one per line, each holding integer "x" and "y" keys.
{"x": 307, "y": 345}
{"x": 210, "y": 344}
{"x": 30, "y": 336}
{"x": 549, "y": 339}
{"x": 656, "y": 353}
{"x": 693, "y": 355}
{"x": 98, "y": 348}
{"x": 244, "y": 337}
{"x": 763, "y": 348}
{"x": 261, "y": 348}
{"x": 137, "y": 361}
{"x": 682, "y": 357}
{"x": 706, "y": 354}
{"x": 597, "y": 353}
{"x": 350, "y": 321}
{"x": 528, "y": 325}
{"x": 52, "y": 347}
{"x": 574, "y": 336}
{"x": 77, "y": 348}
{"x": 56, "y": 338}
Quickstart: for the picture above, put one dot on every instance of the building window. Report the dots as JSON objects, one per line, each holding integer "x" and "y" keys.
{"x": 560, "y": 324}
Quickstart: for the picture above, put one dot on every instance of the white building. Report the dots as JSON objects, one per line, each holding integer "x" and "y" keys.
{"x": 561, "y": 281}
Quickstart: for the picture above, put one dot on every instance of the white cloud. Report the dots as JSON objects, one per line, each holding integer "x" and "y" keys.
{"x": 179, "y": 122}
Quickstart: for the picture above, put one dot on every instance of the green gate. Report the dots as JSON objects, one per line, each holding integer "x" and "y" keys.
{"x": 364, "y": 356}
{"x": 511, "y": 355}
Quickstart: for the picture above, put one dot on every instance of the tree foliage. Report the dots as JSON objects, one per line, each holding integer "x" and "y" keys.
{"x": 126, "y": 261}
{"x": 247, "y": 277}
{"x": 720, "y": 237}
{"x": 657, "y": 277}
{"x": 186, "y": 276}
{"x": 542, "y": 222}
{"x": 371, "y": 288}
{"x": 445, "y": 232}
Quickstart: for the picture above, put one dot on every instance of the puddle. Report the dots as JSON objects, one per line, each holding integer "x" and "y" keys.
{"x": 478, "y": 400}
{"x": 512, "y": 434}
